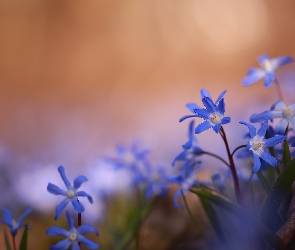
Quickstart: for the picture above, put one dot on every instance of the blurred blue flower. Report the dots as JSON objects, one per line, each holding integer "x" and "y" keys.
{"x": 267, "y": 70}
{"x": 128, "y": 158}
{"x": 213, "y": 116}
{"x": 185, "y": 180}
{"x": 191, "y": 149}
{"x": 73, "y": 236}
{"x": 13, "y": 224}
{"x": 71, "y": 193}
{"x": 278, "y": 110}
{"x": 257, "y": 144}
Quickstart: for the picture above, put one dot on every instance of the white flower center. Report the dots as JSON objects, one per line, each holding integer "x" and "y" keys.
{"x": 73, "y": 237}
{"x": 266, "y": 65}
{"x": 288, "y": 113}
{"x": 71, "y": 194}
{"x": 215, "y": 118}
{"x": 256, "y": 145}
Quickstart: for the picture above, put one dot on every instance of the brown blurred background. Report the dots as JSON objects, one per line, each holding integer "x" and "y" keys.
{"x": 78, "y": 77}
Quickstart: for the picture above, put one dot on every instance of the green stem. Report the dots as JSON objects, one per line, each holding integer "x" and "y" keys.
{"x": 237, "y": 148}
{"x": 279, "y": 89}
{"x": 13, "y": 243}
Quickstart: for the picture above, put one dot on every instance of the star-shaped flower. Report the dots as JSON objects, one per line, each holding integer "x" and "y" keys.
{"x": 212, "y": 114}
{"x": 13, "y": 224}
{"x": 73, "y": 236}
{"x": 278, "y": 110}
{"x": 267, "y": 70}
{"x": 257, "y": 144}
{"x": 71, "y": 193}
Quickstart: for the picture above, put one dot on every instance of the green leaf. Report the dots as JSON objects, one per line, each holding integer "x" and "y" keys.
{"x": 278, "y": 192}
{"x": 240, "y": 212}
{"x": 24, "y": 240}
{"x": 286, "y": 154}
{"x": 7, "y": 244}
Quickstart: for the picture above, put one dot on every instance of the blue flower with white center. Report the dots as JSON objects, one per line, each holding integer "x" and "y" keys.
{"x": 267, "y": 70}
{"x": 257, "y": 144}
{"x": 14, "y": 225}
{"x": 213, "y": 116}
{"x": 73, "y": 236}
{"x": 278, "y": 110}
{"x": 71, "y": 193}
{"x": 194, "y": 107}
{"x": 185, "y": 180}
{"x": 191, "y": 149}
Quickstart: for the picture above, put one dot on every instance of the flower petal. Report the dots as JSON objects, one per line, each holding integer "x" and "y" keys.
{"x": 60, "y": 207}
{"x": 254, "y": 75}
{"x": 70, "y": 220}
{"x": 274, "y": 140}
{"x": 181, "y": 157}
{"x": 193, "y": 107}
{"x": 279, "y": 61}
{"x": 62, "y": 173}
{"x": 257, "y": 163}
{"x": 221, "y": 107}
{"x": 210, "y": 106}
{"x": 269, "y": 79}
{"x": 187, "y": 116}
{"x": 53, "y": 189}
{"x": 57, "y": 231}
{"x": 76, "y": 246}
{"x": 205, "y": 93}
{"x": 78, "y": 206}
{"x": 86, "y": 229}
{"x": 271, "y": 114}
{"x": 63, "y": 244}
{"x": 220, "y": 96}
{"x": 202, "y": 127}
{"x": 79, "y": 180}
{"x": 88, "y": 243}
{"x": 191, "y": 137}
{"x": 268, "y": 158}
{"x": 21, "y": 218}
{"x": 261, "y": 132}
{"x": 281, "y": 127}
{"x": 7, "y": 216}
{"x": 176, "y": 195}
{"x": 251, "y": 128}
{"x": 84, "y": 194}
{"x": 216, "y": 127}
{"x": 225, "y": 120}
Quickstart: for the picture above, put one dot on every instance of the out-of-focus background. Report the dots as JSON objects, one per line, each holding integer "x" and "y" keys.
{"x": 79, "y": 77}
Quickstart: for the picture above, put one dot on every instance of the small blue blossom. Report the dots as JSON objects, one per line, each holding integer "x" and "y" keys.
{"x": 129, "y": 158}
{"x": 13, "y": 224}
{"x": 194, "y": 107}
{"x": 73, "y": 236}
{"x": 212, "y": 114}
{"x": 71, "y": 193}
{"x": 257, "y": 144}
{"x": 267, "y": 70}
{"x": 191, "y": 149}
{"x": 185, "y": 180}
{"x": 278, "y": 110}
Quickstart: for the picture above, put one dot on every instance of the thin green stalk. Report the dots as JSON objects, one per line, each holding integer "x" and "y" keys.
{"x": 217, "y": 157}
{"x": 279, "y": 89}
{"x": 237, "y": 148}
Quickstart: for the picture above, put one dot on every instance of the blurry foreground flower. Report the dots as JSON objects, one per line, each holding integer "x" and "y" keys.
{"x": 11, "y": 223}
{"x": 257, "y": 144}
{"x": 267, "y": 70}
{"x": 71, "y": 193}
{"x": 73, "y": 236}
{"x": 278, "y": 110}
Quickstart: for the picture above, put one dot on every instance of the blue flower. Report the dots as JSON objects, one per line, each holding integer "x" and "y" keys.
{"x": 213, "y": 116}
{"x": 128, "y": 158}
{"x": 194, "y": 107}
{"x": 185, "y": 180}
{"x": 71, "y": 193}
{"x": 267, "y": 70}
{"x": 13, "y": 224}
{"x": 257, "y": 144}
{"x": 278, "y": 110}
{"x": 73, "y": 236}
{"x": 191, "y": 150}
